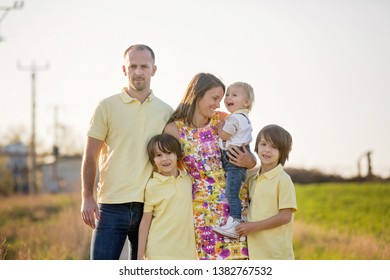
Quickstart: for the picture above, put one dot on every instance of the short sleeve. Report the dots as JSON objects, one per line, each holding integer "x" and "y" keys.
{"x": 231, "y": 125}
{"x": 287, "y": 197}
{"x": 98, "y": 127}
{"x": 148, "y": 203}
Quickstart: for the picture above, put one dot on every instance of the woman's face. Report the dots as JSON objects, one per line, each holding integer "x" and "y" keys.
{"x": 211, "y": 100}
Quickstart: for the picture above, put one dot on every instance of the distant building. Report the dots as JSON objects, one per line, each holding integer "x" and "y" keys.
{"x": 62, "y": 175}
{"x": 17, "y": 154}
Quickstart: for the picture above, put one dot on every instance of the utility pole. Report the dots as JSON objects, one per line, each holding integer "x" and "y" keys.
{"x": 17, "y": 6}
{"x": 33, "y": 68}
{"x": 55, "y": 181}
{"x": 369, "y": 166}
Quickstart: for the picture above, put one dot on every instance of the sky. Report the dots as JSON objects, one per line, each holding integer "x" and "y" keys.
{"x": 320, "y": 69}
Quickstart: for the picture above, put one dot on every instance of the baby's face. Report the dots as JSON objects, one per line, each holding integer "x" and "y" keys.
{"x": 236, "y": 99}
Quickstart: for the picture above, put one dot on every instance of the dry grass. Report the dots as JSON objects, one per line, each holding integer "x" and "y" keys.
{"x": 49, "y": 227}
{"x": 312, "y": 242}
{"x": 43, "y": 227}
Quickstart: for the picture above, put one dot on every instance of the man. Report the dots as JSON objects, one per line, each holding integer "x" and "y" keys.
{"x": 119, "y": 131}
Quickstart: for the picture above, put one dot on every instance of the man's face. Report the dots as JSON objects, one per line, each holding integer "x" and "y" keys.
{"x": 139, "y": 68}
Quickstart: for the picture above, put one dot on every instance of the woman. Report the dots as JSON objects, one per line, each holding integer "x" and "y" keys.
{"x": 194, "y": 124}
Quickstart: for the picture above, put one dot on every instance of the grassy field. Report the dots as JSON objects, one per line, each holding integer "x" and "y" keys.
{"x": 334, "y": 221}
{"x": 343, "y": 221}
{"x": 43, "y": 227}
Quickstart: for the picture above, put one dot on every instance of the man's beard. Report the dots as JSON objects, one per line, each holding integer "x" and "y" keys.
{"x": 139, "y": 85}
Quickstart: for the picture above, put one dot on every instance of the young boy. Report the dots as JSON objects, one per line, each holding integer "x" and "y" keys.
{"x": 167, "y": 227}
{"x": 272, "y": 199}
{"x": 236, "y": 131}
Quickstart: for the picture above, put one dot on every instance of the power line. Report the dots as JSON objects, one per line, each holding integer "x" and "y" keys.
{"x": 17, "y": 6}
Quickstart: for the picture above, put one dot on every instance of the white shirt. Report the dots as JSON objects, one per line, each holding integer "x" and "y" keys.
{"x": 239, "y": 126}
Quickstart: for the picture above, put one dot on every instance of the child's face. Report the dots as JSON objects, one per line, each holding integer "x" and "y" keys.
{"x": 166, "y": 163}
{"x": 236, "y": 98}
{"x": 268, "y": 153}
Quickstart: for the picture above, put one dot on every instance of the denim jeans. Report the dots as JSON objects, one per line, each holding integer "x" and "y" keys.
{"x": 235, "y": 176}
{"x": 117, "y": 222}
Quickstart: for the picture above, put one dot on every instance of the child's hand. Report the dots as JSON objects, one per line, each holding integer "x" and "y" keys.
{"x": 220, "y": 125}
{"x": 244, "y": 229}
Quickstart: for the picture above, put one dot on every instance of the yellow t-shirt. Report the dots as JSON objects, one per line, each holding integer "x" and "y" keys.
{"x": 268, "y": 193}
{"x": 125, "y": 125}
{"x": 171, "y": 234}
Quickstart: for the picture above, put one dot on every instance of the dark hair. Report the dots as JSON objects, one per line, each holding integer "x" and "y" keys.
{"x": 196, "y": 89}
{"x": 140, "y": 47}
{"x": 165, "y": 143}
{"x": 278, "y": 136}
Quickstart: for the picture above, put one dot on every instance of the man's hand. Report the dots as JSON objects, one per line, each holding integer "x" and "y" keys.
{"x": 89, "y": 211}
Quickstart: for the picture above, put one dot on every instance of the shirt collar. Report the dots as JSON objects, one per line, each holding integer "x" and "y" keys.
{"x": 163, "y": 178}
{"x": 240, "y": 111}
{"x": 128, "y": 99}
{"x": 272, "y": 173}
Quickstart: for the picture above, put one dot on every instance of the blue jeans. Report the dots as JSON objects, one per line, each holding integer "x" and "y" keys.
{"x": 117, "y": 222}
{"x": 235, "y": 176}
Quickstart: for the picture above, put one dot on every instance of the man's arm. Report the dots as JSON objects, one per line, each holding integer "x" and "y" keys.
{"x": 89, "y": 208}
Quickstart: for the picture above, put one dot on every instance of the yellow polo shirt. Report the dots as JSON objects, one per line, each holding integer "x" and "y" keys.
{"x": 269, "y": 193}
{"x": 171, "y": 235}
{"x": 125, "y": 125}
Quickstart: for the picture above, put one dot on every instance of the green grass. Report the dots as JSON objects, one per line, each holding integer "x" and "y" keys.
{"x": 333, "y": 221}
{"x": 355, "y": 208}
{"x": 343, "y": 221}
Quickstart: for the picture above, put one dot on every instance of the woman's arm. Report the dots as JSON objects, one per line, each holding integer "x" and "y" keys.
{"x": 282, "y": 218}
{"x": 171, "y": 129}
{"x": 143, "y": 234}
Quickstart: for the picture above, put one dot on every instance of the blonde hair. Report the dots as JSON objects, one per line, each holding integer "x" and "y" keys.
{"x": 248, "y": 89}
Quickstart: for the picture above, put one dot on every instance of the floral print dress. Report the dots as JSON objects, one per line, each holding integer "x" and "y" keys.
{"x": 202, "y": 160}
